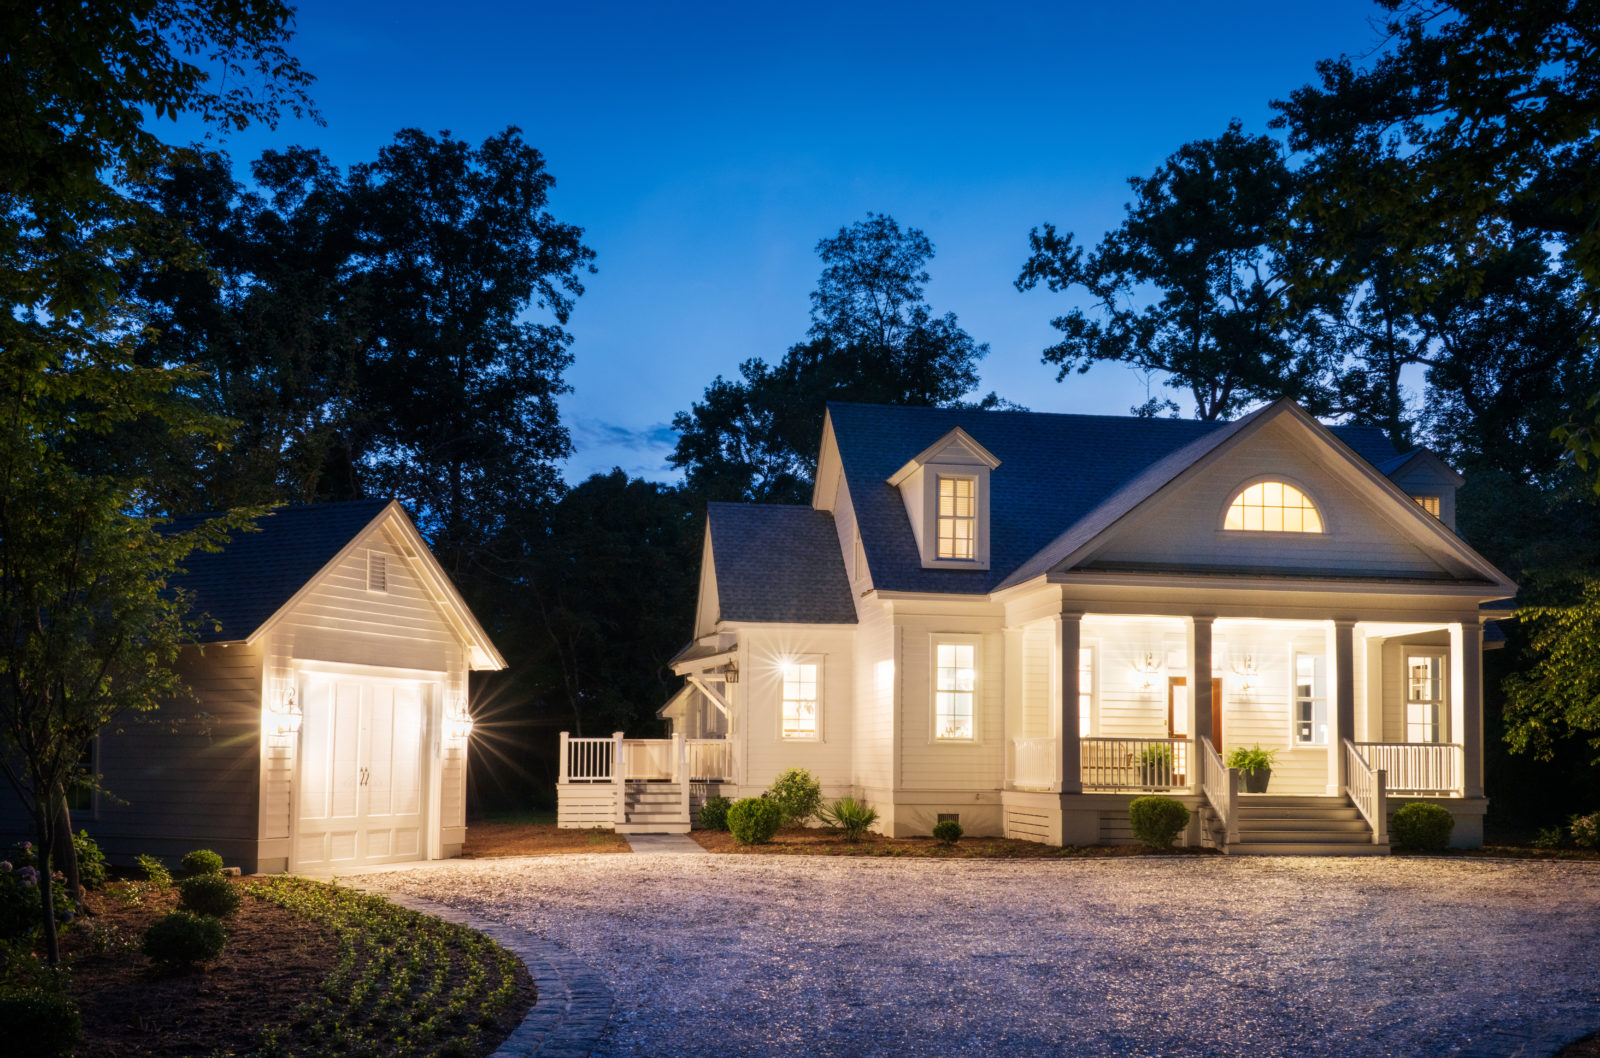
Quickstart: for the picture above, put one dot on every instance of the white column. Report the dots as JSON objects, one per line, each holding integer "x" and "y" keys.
{"x": 1341, "y": 698}
{"x": 1069, "y": 636}
{"x": 1466, "y": 702}
{"x": 1197, "y": 634}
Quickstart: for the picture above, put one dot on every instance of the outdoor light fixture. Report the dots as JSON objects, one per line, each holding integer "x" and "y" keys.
{"x": 1247, "y": 672}
{"x": 457, "y": 721}
{"x": 285, "y": 713}
{"x": 1147, "y": 665}
{"x": 730, "y": 672}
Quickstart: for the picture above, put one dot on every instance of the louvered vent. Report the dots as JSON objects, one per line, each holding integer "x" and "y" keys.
{"x": 377, "y": 571}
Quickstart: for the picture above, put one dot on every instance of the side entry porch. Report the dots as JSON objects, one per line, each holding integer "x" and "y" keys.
{"x": 639, "y": 785}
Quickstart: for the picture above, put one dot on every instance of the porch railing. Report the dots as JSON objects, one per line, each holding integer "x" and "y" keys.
{"x": 1220, "y": 784}
{"x": 709, "y": 759}
{"x": 1423, "y": 769}
{"x": 1033, "y": 762}
{"x": 1365, "y": 784}
{"x": 1134, "y": 763}
{"x": 589, "y": 759}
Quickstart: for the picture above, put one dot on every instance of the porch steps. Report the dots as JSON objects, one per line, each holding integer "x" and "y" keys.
{"x": 653, "y": 808}
{"x": 1294, "y": 826}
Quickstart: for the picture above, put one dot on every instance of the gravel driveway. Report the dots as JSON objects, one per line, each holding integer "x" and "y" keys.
{"x": 754, "y": 955}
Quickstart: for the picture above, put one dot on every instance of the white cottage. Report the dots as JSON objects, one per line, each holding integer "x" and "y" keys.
{"x": 330, "y": 723}
{"x": 1023, "y": 621}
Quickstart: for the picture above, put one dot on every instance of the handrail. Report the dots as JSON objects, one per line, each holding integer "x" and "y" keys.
{"x": 1424, "y": 769}
{"x": 1366, "y": 787}
{"x": 587, "y": 759}
{"x": 709, "y": 759}
{"x": 1134, "y": 763}
{"x": 1220, "y": 784}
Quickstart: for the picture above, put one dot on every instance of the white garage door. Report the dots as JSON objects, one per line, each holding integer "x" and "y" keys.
{"x": 361, "y": 772}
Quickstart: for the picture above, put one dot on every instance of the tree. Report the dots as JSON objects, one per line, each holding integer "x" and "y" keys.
{"x": 873, "y": 338}
{"x": 1203, "y": 242}
{"x": 86, "y": 630}
{"x": 1559, "y": 697}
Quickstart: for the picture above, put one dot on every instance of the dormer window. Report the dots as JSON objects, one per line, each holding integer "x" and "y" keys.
{"x": 1429, "y": 504}
{"x": 1273, "y": 507}
{"x": 958, "y": 517}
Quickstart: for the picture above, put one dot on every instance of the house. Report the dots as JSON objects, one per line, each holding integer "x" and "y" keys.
{"x": 1024, "y": 621}
{"x": 329, "y": 723}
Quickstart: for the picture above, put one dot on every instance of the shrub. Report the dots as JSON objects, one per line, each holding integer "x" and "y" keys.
{"x": 1157, "y": 821}
{"x": 854, "y": 818}
{"x": 201, "y": 861}
{"x": 154, "y": 869}
{"x": 41, "y": 1021}
{"x": 208, "y": 894}
{"x": 1585, "y": 831}
{"x": 797, "y": 795}
{"x": 948, "y": 831}
{"x": 182, "y": 939}
{"x": 1253, "y": 759}
{"x": 19, "y": 901}
{"x": 1549, "y": 838}
{"x": 91, "y": 861}
{"x": 1421, "y": 826}
{"x": 754, "y": 820}
{"x": 714, "y": 813}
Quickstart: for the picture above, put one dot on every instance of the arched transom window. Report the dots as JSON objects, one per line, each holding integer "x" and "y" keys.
{"x": 1273, "y": 507}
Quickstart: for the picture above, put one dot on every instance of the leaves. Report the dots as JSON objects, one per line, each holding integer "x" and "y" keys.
{"x": 1559, "y": 697}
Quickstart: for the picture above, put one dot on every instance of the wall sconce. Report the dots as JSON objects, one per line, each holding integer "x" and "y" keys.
{"x": 730, "y": 672}
{"x": 285, "y": 714}
{"x": 1245, "y": 668}
{"x": 1146, "y": 665}
{"x": 457, "y": 721}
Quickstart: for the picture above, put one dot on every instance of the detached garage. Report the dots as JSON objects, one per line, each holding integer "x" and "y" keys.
{"x": 330, "y": 723}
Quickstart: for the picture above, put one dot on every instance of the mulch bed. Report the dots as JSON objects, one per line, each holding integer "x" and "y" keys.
{"x": 1510, "y": 852}
{"x": 487, "y": 840}
{"x": 811, "y": 841}
{"x": 1588, "y": 1047}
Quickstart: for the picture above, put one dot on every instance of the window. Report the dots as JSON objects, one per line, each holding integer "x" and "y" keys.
{"x": 377, "y": 571}
{"x": 1429, "y": 504}
{"x": 801, "y": 687}
{"x": 955, "y": 691}
{"x": 80, "y": 795}
{"x": 1085, "y": 691}
{"x": 1424, "y": 696}
{"x": 958, "y": 518}
{"x": 1273, "y": 507}
{"x": 1311, "y": 699}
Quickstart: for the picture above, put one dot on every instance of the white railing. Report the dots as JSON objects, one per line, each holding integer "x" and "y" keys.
{"x": 650, "y": 759}
{"x": 1423, "y": 769}
{"x": 1033, "y": 763}
{"x": 1365, "y": 784}
{"x": 1220, "y": 784}
{"x": 709, "y": 759}
{"x": 1134, "y": 763}
{"x": 589, "y": 759}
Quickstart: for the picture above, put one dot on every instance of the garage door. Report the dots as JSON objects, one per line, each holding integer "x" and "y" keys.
{"x": 361, "y": 772}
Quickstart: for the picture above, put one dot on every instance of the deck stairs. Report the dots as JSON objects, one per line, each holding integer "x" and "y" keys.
{"x": 653, "y": 808}
{"x": 1293, "y": 826}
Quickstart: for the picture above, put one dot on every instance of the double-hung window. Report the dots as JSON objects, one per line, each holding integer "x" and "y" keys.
{"x": 1424, "y": 696}
{"x": 955, "y": 696}
{"x": 958, "y": 517}
{"x": 802, "y": 699}
{"x": 1311, "y": 699}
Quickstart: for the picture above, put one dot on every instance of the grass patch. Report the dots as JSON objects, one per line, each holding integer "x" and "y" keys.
{"x": 812, "y": 841}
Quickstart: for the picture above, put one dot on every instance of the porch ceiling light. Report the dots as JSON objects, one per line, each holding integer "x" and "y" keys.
{"x": 1146, "y": 665}
{"x": 285, "y": 714}
{"x": 457, "y": 721}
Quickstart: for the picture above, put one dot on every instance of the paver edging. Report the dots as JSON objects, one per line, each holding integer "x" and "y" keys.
{"x": 572, "y": 1006}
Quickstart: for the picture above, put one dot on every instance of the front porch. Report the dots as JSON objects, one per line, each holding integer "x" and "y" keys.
{"x": 639, "y": 785}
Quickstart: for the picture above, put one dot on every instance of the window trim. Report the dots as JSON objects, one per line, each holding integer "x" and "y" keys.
{"x": 928, "y": 544}
{"x": 1277, "y": 534}
{"x": 819, "y": 660}
{"x": 935, "y": 641}
{"x": 1441, "y": 703}
{"x": 1093, "y": 691}
{"x": 939, "y": 517}
{"x": 1294, "y": 699}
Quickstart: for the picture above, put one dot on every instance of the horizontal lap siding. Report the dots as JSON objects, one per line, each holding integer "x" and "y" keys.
{"x": 954, "y": 766}
{"x": 1123, "y": 707}
{"x": 875, "y": 682}
{"x": 1038, "y": 657}
{"x": 761, "y": 683}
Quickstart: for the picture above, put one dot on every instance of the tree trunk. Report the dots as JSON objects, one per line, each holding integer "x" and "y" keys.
{"x": 67, "y": 852}
{"x": 52, "y": 943}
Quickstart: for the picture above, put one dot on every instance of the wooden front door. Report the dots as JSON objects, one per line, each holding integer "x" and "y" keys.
{"x": 1178, "y": 709}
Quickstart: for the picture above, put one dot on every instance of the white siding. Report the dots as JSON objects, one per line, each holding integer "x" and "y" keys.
{"x": 764, "y": 651}
{"x": 1038, "y": 661}
{"x": 876, "y": 685}
{"x": 950, "y": 766}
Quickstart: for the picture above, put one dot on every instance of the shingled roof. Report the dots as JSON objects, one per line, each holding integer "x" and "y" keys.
{"x": 778, "y": 564}
{"x": 251, "y": 578}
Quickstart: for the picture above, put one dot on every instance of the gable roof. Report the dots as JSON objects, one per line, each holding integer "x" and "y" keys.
{"x": 258, "y": 574}
{"x": 1059, "y": 469}
{"x": 778, "y": 564}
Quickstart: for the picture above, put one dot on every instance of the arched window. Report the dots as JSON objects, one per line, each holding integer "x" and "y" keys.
{"x": 1273, "y": 507}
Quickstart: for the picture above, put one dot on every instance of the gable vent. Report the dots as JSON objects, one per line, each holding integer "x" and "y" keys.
{"x": 377, "y": 571}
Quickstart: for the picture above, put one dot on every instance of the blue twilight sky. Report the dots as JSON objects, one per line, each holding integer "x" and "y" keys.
{"x": 705, "y": 148}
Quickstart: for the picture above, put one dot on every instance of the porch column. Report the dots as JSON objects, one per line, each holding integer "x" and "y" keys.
{"x": 1069, "y": 636}
{"x": 1197, "y": 634}
{"x": 1466, "y": 702}
{"x": 1341, "y": 699}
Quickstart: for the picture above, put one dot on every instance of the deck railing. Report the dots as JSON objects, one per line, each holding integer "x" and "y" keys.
{"x": 589, "y": 759}
{"x": 1033, "y": 763}
{"x": 1220, "y": 784}
{"x": 1365, "y": 784}
{"x": 709, "y": 759}
{"x": 1134, "y": 763}
{"x": 1422, "y": 769}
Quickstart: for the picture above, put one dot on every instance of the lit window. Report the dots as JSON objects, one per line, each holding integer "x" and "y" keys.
{"x": 1424, "y": 696}
{"x": 1311, "y": 699}
{"x": 955, "y": 692}
{"x": 800, "y": 699}
{"x": 958, "y": 518}
{"x": 1273, "y": 507}
{"x": 1085, "y": 690}
{"x": 1429, "y": 504}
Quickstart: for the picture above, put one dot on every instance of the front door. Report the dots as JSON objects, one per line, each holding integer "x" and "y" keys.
{"x": 1178, "y": 709}
{"x": 361, "y": 772}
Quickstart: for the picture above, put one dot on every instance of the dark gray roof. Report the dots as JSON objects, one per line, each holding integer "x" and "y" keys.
{"x": 778, "y": 564}
{"x": 251, "y": 578}
{"x": 1054, "y": 470}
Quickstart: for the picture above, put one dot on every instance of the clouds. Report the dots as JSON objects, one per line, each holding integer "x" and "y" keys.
{"x": 599, "y": 445}
{"x": 597, "y": 433}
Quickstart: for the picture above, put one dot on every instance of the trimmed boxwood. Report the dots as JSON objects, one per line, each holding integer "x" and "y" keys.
{"x": 40, "y": 1022}
{"x": 754, "y": 820}
{"x": 1421, "y": 826}
{"x": 948, "y": 831}
{"x": 201, "y": 861}
{"x": 714, "y": 813}
{"x": 1157, "y": 821}
{"x": 182, "y": 939}
{"x": 208, "y": 894}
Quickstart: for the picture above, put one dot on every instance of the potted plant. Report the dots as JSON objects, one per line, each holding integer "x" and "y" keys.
{"x": 1155, "y": 765}
{"x": 1255, "y": 764}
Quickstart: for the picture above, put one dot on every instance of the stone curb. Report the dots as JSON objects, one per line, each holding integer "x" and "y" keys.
{"x": 573, "y": 1006}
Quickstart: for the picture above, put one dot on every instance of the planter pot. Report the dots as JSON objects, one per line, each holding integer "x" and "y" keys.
{"x": 1256, "y": 781}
